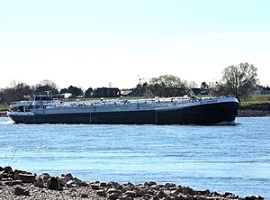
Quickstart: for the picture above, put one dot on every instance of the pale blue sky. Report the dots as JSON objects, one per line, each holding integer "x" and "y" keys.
{"x": 91, "y": 43}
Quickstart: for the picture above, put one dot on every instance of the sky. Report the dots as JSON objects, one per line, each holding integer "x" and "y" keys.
{"x": 90, "y": 43}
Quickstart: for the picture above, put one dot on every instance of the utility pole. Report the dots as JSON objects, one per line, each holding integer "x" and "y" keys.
{"x": 140, "y": 79}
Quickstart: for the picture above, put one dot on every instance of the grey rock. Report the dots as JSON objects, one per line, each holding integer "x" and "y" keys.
{"x": 53, "y": 183}
{"x": 21, "y": 191}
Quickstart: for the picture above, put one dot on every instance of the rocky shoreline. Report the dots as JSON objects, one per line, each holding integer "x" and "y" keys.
{"x": 255, "y": 110}
{"x": 253, "y": 113}
{"x": 3, "y": 113}
{"x": 20, "y": 184}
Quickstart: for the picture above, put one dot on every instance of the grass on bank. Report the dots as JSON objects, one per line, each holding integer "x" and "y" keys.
{"x": 255, "y": 100}
{"x": 3, "y": 107}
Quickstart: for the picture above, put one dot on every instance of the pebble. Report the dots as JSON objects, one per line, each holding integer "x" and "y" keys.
{"x": 19, "y": 184}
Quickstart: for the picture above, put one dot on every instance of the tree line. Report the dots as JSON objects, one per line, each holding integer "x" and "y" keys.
{"x": 236, "y": 81}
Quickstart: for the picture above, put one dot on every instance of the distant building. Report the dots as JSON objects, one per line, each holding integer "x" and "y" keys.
{"x": 198, "y": 91}
{"x": 257, "y": 90}
{"x": 194, "y": 92}
{"x": 126, "y": 92}
{"x": 201, "y": 92}
{"x": 266, "y": 92}
{"x": 67, "y": 95}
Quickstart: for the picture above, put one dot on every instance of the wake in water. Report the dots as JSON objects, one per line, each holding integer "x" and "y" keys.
{"x": 9, "y": 121}
{"x": 227, "y": 123}
{"x": 224, "y": 123}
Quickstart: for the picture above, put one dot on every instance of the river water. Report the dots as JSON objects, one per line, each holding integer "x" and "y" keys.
{"x": 232, "y": 158}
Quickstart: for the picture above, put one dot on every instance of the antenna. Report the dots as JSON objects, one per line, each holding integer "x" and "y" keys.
{"x": 140, "y": 79}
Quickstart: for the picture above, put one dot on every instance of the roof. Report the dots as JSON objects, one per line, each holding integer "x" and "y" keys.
{"x": 196, "y": 91}
{"x": 125, "y": 92}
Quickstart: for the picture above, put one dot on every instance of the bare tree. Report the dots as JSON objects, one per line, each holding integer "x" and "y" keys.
{"x": 239, "y": 80}
{"x": 46, "y": 85}
{"x": 15, "y": 92}
{"x": 193, "y": 84}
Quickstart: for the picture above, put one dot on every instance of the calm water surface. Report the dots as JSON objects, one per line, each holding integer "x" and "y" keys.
{"x": 218, "y": 158}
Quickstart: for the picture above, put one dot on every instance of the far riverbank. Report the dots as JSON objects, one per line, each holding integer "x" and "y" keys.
{"x": 255, "y": 110}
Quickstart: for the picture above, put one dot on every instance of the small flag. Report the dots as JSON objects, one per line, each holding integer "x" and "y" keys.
{"x": 25, "y": 96}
